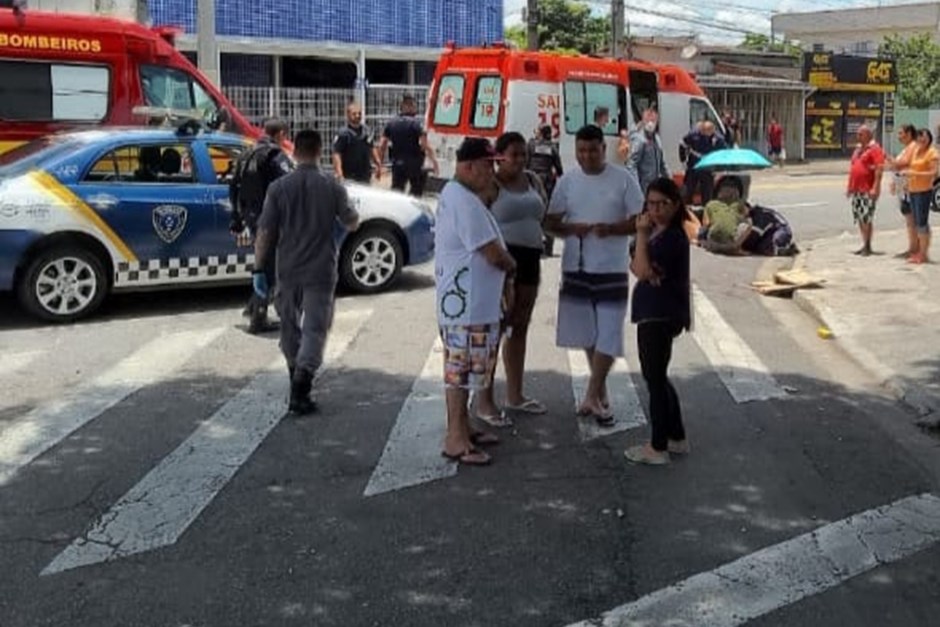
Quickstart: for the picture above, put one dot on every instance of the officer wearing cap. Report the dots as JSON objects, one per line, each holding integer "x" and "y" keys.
{"x": 409, "y": 148}
{"x": 471, "y": 267}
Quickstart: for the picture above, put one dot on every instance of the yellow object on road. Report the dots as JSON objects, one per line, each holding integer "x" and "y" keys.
{"x": 824, "y": 332}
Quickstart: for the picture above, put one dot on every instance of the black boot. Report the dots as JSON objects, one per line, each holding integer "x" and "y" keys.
{"x": 301, "y": 383}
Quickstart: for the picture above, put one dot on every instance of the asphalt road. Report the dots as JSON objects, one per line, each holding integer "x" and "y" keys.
{"x": 148, "y": 476}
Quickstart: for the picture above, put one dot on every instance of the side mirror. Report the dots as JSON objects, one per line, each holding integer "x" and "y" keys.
{"x": 219, "y": 118}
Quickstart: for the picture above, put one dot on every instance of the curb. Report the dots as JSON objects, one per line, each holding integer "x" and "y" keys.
{"x": 924, "y": 406}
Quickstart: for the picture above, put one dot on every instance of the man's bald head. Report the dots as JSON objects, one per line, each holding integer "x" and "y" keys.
{"x": 864, "y": 134}
{"x": 708, "y": 127}
{"x": 354, "y": 113}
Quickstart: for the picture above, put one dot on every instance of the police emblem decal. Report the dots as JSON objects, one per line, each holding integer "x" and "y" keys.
{"x": 169, "y": 222}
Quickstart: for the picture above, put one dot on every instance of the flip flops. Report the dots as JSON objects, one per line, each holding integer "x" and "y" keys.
{"x": 482, "y": 438}
{"x": 470, "y": 457}
{"x": 528, "y": 406}
{"x": 498, "y": 421}
{"x": 604, "y": 418}
{"x": 640, "y": 454}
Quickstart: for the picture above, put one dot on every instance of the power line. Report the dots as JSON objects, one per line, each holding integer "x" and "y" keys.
{"x": 698, "y": 19}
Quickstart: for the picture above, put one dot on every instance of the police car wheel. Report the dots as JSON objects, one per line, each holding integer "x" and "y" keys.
{"x": 63, "y": 284}
{"x": 371, "y": 261}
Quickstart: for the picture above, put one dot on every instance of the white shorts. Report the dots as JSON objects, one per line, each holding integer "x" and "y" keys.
{"x": 596, "y": 323}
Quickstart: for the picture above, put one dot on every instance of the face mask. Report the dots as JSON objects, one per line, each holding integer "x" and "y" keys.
{"x": 650, "y": 127}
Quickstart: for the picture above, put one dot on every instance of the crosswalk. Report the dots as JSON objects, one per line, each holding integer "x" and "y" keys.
{"x": 157, "y": 511}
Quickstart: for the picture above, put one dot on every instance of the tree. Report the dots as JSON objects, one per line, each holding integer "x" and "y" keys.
{"x": 918, "y": 66}
{"x": 761, "y": 43}
{"x": 566, "y": 26}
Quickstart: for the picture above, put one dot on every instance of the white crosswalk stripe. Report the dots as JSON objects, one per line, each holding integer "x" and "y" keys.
{"x": 624, "y": 401}
{"x": 13, "y": 362}
{"x": 412, "y": 452}
{"x": 43, "y": 428}
{"x": 740, "y": 369}
{"x": 159, "y": 509}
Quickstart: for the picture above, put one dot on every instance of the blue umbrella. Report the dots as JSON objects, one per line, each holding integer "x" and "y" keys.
{"x": 734, "y": 160}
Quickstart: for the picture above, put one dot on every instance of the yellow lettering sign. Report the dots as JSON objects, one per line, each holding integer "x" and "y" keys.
{"x": 879, "y": 72}
{"x": 41, "y": 42}
{"x": 820, "y": 59}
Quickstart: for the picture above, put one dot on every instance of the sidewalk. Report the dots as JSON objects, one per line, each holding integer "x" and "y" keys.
{"x": 822, "y": 167}
{"x": 883, "y": 312}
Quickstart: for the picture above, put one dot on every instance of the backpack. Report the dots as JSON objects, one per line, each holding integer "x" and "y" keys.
{"x": 250, "y": 182}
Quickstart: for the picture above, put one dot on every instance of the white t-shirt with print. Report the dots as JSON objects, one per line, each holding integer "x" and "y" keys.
{"x": 611, "y": 196}
{"x": 469, "y": 288}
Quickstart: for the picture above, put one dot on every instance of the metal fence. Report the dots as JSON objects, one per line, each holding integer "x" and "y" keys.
{"x": 323, "y": 109}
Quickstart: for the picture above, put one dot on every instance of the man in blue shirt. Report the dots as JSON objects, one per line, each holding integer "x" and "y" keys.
{"x": 409, "y": 149}
{"x": 694, "y": 146}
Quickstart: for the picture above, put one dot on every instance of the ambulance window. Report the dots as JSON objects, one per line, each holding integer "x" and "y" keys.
{"x": 699, "y": 111}
{"x": 174, "y": 89}
{"x": 45, "y": 91}
{"x": 488, "y": 99}
{"x": 585, "y": 103}
{"x": 449, "y": 100}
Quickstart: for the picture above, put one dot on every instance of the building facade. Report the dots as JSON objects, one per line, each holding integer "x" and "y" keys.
{"x": 857, "y": 31}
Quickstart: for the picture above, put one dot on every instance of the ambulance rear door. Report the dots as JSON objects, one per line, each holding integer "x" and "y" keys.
{"x": 582, "y": 95}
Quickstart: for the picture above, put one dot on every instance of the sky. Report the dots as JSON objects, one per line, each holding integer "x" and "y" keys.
{"x": 669, "y": 17}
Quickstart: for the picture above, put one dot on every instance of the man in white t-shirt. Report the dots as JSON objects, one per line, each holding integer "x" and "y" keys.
{"x": 471, "y": 266}
{"x": 594, "y": 209}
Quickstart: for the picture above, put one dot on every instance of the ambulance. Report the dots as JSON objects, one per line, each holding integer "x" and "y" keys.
{"x": 485, "y": 92}
{"x": 68, "y": 72}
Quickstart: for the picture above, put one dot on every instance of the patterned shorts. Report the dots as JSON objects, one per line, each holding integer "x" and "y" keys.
{"x": 863, "y": 208}
{"x": 470, "y": 354}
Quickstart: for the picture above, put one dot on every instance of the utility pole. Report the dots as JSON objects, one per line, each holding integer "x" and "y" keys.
{"x": 207, "y": 51}
{"x": 616, "y": 22}
{"x": 532, "y": 24}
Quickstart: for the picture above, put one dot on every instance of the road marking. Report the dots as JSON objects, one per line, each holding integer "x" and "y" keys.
{"x": 624, "y": 400}
{"x": 788, "y": 572}
{"x": 159, "y": 509}
{"x": 412, "y": 454}
{"x": 46, "y": 426}
{"x": 801, "y": 205}
{"x": 743, "y": 373}
{"x": 11, "y": 362}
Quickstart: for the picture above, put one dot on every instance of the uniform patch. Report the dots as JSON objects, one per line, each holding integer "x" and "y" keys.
{"x": 169, "y": 222}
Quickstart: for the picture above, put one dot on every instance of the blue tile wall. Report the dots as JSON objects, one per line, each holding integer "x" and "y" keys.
{"x": 426, "y": 23}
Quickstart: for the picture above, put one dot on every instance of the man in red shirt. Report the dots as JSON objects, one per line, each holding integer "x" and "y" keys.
{"x": 865, "y": 185}
{"x": 775, "y": 140}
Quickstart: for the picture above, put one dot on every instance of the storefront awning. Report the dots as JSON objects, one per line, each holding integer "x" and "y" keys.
{"x": 731, "y": 81}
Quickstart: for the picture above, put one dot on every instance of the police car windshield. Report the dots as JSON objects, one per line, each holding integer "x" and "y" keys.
{"x": 24, "y": 158}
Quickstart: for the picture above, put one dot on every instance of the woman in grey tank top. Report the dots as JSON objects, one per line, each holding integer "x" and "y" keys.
{"x": 519, "y": 208}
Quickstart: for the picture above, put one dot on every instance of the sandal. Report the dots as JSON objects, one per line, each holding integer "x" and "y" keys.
{"x": 471, "y": 457}
{"x": 604, "y": 418}
{"x": 482, "y": 438}
{"x": 499, "y": 421}
{"x": 642, "y": 454}
{"x": 528, "y": 406}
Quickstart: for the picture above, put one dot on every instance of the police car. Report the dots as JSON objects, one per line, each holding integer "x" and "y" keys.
{"x": 86, "y": 213}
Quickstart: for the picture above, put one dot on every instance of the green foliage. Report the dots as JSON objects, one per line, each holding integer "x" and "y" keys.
{"x": 918, "y": 65}
{"x": 566, "y": 26}
{"x": 760, "y": 42}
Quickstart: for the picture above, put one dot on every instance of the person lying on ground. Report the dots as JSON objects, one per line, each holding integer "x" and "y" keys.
{"x": 725, "y": 221}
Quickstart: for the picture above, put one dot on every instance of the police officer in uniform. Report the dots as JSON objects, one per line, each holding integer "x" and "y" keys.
{"x": 544, "y": 160}
{"x": 354, "y": 147}
{"x": 297, "y": 228}
{"x": 409, "y": 149}
{"x": 254, "y": 173}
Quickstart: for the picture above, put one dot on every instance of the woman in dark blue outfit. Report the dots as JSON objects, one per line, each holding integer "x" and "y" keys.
{"x": 661, "y": 311}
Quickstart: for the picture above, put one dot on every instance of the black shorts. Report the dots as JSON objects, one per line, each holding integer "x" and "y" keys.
{"x": 528, "y": 264}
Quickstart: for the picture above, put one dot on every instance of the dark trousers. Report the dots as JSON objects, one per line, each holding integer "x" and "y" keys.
{"x": 701, "y": 181}
{"x": 306, "y": 317}
{"x": 654, "y": 344}
{"x": 410, "y": 173}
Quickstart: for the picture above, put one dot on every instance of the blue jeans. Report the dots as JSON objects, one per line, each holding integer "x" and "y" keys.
{"x": 920, "y": 207}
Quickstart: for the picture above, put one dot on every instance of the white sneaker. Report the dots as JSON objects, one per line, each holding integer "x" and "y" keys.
{"x": 642, "y": 454}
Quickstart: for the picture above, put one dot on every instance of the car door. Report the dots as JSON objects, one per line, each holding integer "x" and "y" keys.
{"x": 216, "y": 160}
{"x": 150, "y": 194}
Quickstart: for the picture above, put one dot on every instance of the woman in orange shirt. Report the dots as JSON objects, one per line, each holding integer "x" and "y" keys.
{"x": 907, "y": 135}
{"x": 921, "y": 174}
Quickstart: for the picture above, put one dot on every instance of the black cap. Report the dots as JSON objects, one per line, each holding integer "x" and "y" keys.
{"x": 474, "y": 148}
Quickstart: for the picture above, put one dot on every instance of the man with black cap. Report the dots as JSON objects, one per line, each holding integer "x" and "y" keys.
{"x": 471, "y": 270}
